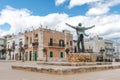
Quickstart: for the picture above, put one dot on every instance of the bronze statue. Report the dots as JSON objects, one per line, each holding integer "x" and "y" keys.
{"x": 80, "y": 32}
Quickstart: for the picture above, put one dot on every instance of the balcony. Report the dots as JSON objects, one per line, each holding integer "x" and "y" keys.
{"x": 56, "y": 45}
{"x": 26, "y": 46}
{"x": 35, "y": 44}
{"x": 109, "y": 47}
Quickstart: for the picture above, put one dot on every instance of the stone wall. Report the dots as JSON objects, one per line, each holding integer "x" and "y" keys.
{"x": 82, "y": 57}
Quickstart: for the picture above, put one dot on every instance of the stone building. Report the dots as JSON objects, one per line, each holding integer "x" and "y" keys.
{"x": 53, "y": 41}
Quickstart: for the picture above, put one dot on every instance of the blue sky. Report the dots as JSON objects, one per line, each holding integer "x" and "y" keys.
{"x": 44, "y": 7}
{"x": 19, "y": 15}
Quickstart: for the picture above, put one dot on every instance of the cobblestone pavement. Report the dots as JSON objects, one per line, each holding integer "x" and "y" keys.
{"x": 6, "y": 73}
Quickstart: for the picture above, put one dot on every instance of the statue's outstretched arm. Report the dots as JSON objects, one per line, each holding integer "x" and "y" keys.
{"x": 89, "y": 27}
{"x": 70, "y": 25}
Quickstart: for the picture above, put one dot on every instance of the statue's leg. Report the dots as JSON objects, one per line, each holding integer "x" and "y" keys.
{"x": 82, "y": 45}
{"x": 78, "y": 44}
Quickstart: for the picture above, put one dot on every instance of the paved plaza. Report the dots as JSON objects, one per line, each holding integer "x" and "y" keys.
{"x": 6, "y": 73}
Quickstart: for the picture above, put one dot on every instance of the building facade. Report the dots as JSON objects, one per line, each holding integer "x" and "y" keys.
{"x": 14, "y": 43}
{"x": 116, "y": 51}
{"x": 2, "y": 48}
{"x": 101, "y": 46}
{"x": 54, "y": 42}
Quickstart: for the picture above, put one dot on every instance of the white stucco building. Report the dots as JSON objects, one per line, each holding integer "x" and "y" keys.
{"x": 2, "y": 48}
{"x": 116, "y": 51}
{"x": 101, "y": 46}
{"x": 14, "y": 42}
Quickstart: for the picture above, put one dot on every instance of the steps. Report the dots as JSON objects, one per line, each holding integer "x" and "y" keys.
{"x": 61, "y": 68}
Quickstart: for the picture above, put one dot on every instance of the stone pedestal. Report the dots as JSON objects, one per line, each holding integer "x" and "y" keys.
{"x": 82, "y": 57}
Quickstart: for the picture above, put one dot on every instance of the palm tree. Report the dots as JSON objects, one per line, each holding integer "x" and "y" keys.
{"x": 45, "y": 51}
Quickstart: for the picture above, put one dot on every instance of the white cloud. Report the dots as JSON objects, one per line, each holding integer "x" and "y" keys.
{"x": 74, "y": 3}
{"x": 21, "y": 19}
{"x": 106, "y": 26}
{"x": 97, "y": 7}
{"x": 97, "y": 11}
{"x": 102, "y": 7}
{"x": 59, "y": 2}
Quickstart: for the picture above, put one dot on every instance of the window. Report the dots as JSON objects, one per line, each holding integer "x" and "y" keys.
{"x": 61, "y": 43}
{"x": 61, "y": 54}
{"x": 20, "y": 43}
{"x": 30, "y": 55}
{"x": 51, "y": 41}
{"x": 70, "y": 43}
{"x": 13, "y": 45}
{"x": 30, "y": 40}
{"x": 51, "y": 54}
{"x": 67, "y": 43}
{"x": 75, "y": 49}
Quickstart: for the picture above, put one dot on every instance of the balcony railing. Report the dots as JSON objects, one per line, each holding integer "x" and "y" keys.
{"x": 56, "y": 44}
{"x": 35, "y": 44}
{"x": 109, "y": 47}
{"x": 26, "y": 46}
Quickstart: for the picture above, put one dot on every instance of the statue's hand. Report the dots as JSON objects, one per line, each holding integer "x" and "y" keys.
{"x": 93, "y": 26}
{"x": 66, "y": 23}
{"x": 70, "y": 25}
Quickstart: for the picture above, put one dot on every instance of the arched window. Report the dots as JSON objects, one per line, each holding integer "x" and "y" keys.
{"x": 61, "y": 43}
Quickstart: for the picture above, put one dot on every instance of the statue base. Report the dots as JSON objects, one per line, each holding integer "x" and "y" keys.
{"x": 82, "y": 57}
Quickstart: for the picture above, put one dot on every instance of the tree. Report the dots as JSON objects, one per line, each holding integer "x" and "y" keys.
{"x": 45, "y": 51}
{"x": 67, "y": 51}
{"x": 3, "y": 51}
{"x": 22, "y": 51}
{"x": 9, "y": 50}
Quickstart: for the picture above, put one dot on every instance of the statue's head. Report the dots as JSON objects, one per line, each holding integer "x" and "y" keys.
{"x": 79, "y": 24}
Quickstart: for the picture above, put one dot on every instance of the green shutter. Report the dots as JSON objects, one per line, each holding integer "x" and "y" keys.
{"x": 35, "y": 56}
{"x": 61, "y": 54}
{"x": 51, "y": 54}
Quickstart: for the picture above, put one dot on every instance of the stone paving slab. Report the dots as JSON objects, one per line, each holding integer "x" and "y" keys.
{"x": 52, "y": 69}
{"x": 7, "y": 61}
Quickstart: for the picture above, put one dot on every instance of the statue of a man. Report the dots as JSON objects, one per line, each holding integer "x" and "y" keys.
{"x": 80, "y": 32}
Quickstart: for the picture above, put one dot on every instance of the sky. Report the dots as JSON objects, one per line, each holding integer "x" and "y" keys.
{"x": 20, "y": 15}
